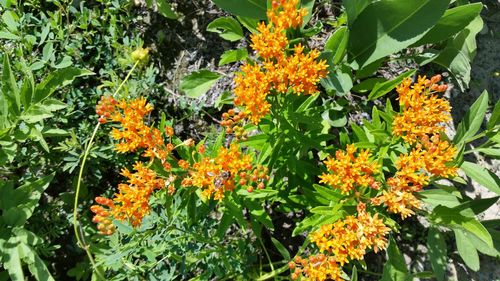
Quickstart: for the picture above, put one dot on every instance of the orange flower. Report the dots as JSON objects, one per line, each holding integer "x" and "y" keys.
{"x": 317, "y": 267}
{"x": 398, "y": 201}
{"x": 278, "y": 73}
{"x": 131, "y": 203}
{"x": 423, "y": 112}
{"x": 348, "y": 172}
{"x": 219, "y": 174}
{"x": 351, "y": 237}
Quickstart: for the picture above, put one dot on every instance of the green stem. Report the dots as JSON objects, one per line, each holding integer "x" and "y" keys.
{"x": 88, "y": 147}
{"x": 267, "y": 254}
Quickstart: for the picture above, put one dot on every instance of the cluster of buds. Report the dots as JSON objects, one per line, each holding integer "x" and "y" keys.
{"x": 259, "y": 175}
{"x": 433, "y": 84}
{"x": 102, "y": 216}
{"x": 233, "y": 122}
{"x": 140, "y": 54}
{"x": 104, "y": 108}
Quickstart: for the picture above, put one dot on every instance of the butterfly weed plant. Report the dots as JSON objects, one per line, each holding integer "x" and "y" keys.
{"x": 292, "y": 187}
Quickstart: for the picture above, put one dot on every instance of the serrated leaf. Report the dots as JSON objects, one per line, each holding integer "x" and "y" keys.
{"x": 198, "y": 83}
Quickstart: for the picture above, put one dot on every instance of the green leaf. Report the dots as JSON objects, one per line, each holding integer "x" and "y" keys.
{"x": 10, "y": 19}
{"x": 353, "y": 8}
{"x": 230, "y": 56}
{"x": 460, "y": 51}
{"x": 395, "y": 267}
{"x": 12, "y": 259}
{"x": 9, "y": 87}
{"x": 57, "y": 79}
{"x": 453, "y": 21}
{"x": 437, "y": 197}
{"x": 437, "y": 252}
{"x": 51, "y": 104}
{"x": 283, "y": 251}
{"x": 227, "y": 28}
{"x": 65, "y": 62}
{"x": 482, "y": 176}
{"x": 354, "y": 275}
{"x": 495, "y": 117}
{"x": 337, "y": 43}
{"x": 388, "y": 26}
{"x": 249, "y": 23}
{"x": 35, "y": 114}
{"x": 472, "y": 120}
{"x": 381, "y": 89}
{"x": 38, "y": 268}
{"x": 124, "y": 228}
{"x": 455, "y": 219}
{"x": 467, "y": 250}
{"x": 4, "y": 34}
{"x": 368, "y": 84}
{"x": 198, "y": 83}
{"x": 165, "y": 9}
{"x": 244, "y": 8}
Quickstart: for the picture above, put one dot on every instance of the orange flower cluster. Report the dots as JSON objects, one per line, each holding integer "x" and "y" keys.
{"x": 350, "y": 238}
{"x": 317, "y": 268}
{"x": 131, "y": 203}
{"x": 220, "y": 174}
{"x": 104, "y": 108}
{"x": 232, "y": 121}
{"x": 348, "y": 171}
{"x": 420, "y": 124}
{"x": 279, "y": 72}
{"x": 423, "y": 112}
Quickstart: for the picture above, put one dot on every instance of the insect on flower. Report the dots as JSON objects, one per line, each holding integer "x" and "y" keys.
{"x": 220, "y": 179}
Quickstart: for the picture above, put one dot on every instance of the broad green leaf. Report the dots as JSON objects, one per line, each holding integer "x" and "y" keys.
{"x": 437, "y": 252}
{"x": 482, "y": 176}
{"x": 228, "y": 28}
{"x": 368, "y": 84}
{"x": 198, "y": 83}
{"x": 472, "y": 120}
{"x": 353, "y": 8}
{"x": 337, "y": 43}
{"x": 165, "y": 9}
{"x": 459, "y": 53}
{"x": 466, "y": 249}
{"x": 57, "y": 79}
{"x": 388, "y": 26}
{"x": 493, "y": 151}
{"x": 453, "y": 21}
{"x": 455, "y": 219}
{"x": 230, "y": 56}
{"x": 283, "y": 251}
{"x": 395, "y": 267}
{"x": 64, "y": 62}
{"x": 10, "y": 19}
{"x": 249, "y": 23}
{"x": 55, "y": 133}
{"x": 383, "y": 88}
{"x": 244, "y": 8}
{"x": 436, "y": 197}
